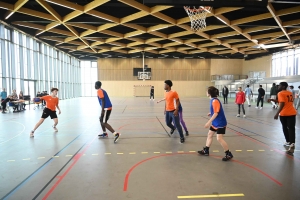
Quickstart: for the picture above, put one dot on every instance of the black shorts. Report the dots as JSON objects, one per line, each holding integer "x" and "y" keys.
{"x": 219, "y": 130}
{"x": 105, "y": 116}
{"x": 47, "y": 112}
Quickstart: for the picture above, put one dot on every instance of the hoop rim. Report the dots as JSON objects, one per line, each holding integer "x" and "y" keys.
{"x": 197, "y": 9}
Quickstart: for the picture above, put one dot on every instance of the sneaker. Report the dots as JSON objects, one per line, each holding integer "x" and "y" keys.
{"x": 276, "y": 107}
{"x": 182, "y": 140}
{"x": 291, "y": 149}
{"x": 260, "y": 108}
{"x": 287, "y": 144}
{"x": 187, "y": 133}
{"x": 32, "y": 134}
{"x": 117, "y": 135}
{"x": 256, "y": 107}
{"x": 204, "y": 152}
{"x": 249, "y": 105}
{"x": 172, "y": 131}
{"x": 55, "y": 129}
{"x": 103, "y": 135}
{"x": 238, "y": 115}
{"x": 244, "y": 116}
{"x": 227, "y": 156}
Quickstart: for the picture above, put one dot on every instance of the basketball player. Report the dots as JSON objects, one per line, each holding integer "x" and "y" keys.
{"x": 217, "y": 124}
{"x": 105, "y": 112}
{"x": 50, "y": 110}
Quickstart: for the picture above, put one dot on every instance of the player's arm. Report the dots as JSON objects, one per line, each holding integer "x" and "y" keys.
{"x": 177, "y": 107}
{"x": 57, "y": 106}
{"x": 281, "y": 105}
{"x": 161, "y": 100}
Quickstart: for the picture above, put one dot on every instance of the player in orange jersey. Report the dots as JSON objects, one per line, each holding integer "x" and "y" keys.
{"x": 50, "y": 110}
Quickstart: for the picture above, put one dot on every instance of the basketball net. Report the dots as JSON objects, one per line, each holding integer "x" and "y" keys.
{"x": 197, "y": 17}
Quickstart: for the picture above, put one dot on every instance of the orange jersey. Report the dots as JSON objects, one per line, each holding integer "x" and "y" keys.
{"x": 287, "y": 98}
{"x": 51, "y": 102}
{"x": 170, "y": 96}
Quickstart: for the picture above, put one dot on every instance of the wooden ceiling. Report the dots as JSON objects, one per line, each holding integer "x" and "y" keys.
{"x": 124, "y": 28}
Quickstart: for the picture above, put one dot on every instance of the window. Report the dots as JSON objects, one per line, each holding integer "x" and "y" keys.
{"x": 286, "y": 63}
{"x": 89, "y": 76}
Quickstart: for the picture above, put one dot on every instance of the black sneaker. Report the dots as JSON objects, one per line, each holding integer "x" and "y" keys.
{"x": 172, "y": 131}
{"x": 204, "y": 152}
{"x": 187, "y": 133}
{"x": 182, "y": 140}
{"x": 117, "y": 135}
{"x": 103, "y": 135}
{"x": 227, "y": 156}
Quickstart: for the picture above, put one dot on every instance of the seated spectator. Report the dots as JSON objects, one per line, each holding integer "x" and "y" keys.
{"x": 3, "y": 95}
{"x": 38, "y": 94}
{"x": 4, "y": 102}
{"x": 21, "y": 97}
{"x": 14, "y": 95}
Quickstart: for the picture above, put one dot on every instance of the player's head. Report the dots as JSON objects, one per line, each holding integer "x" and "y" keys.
{"x": 283, "y": 85}
{"x": 292, "y": 87}
{"x": 240, "y": 88}
{"x": 212, "y": 92}
{"x": 248, "y": 85}
{"x": 299, "y": 87}
{"x": 274, "y": 84}
{"x": 260, "y": 86}
{"x": 98, "y": 85}
{"x": 168, "y": 84}
{"x": 54, "y": 91}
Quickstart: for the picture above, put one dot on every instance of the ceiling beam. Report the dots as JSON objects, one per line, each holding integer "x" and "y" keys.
{"x": 17, "y": 6}
{"x": 277, "y": 19}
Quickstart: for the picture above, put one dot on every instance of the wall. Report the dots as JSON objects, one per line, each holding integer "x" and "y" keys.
{"x": 184, "y": 88}
{"x": 226, "y": 67}
{"x": 258, "y": 64}
{"x": 121, "y": 69}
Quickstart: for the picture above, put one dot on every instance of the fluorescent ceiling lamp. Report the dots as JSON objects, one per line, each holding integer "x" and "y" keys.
{"x": 221, "y": 20}
{"x": 9, "y": 15}
{"x": 61, "y": 5}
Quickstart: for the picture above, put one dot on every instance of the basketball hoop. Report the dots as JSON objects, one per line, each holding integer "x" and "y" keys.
{"x": 197, "y": 17}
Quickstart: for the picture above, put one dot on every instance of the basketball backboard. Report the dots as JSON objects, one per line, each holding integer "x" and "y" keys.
{"x": 212, "y": 3}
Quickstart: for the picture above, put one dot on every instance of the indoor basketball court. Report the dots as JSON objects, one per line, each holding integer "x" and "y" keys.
{"x": 136, "y": 45}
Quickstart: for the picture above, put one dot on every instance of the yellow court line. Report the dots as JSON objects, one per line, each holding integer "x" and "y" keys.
{"x": 107, "y": 153}
{"x": 120, "y": 153}
{"x": 11, "y": 160}
{"x": 215, "y": 150}
{"x": 40, "y": 157}
{"x": 156, "y": 152}
{"x": 238, "y": 150}
{"x": 169, "y": 152}
{"x": 95, "y": 154}
{"x": 192, "y": 151}
{"x": 55, "y": 156}
{"x": 271, "y": 150}
{"x": 211, "y": 196}
{"x": 261, "y": 150}
{"x": 249, "y": 150}
{"x": 26, "y": 159}
{"x": 144, "y": 152}
{"x": 132, "y": 153}
{"x": 180, "y": 151}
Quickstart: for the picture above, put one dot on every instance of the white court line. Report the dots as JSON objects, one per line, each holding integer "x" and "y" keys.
{"x": 15, "y": 135}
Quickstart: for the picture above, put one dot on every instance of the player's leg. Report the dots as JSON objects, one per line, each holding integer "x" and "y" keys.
{"x": 209, "y": 139}
{"x": 220, "y": 134}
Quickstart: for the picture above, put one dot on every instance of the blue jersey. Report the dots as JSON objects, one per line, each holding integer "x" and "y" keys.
{"x": 216, "y": 106}
{"x": 103, "y": 94}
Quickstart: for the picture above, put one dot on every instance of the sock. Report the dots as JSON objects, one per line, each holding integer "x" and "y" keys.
{"x": 115, "y": 133}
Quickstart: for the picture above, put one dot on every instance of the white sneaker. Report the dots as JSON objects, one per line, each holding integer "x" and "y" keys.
{"x": 55, "y": 129}
{"x": 244, "y": 116}
{"x": 32, "y": 134}
{"x": 238, "y": 115}
{"x": 256, "y": 107}
{"x": 260, "y": 108}
{"x": 287, "y": 144}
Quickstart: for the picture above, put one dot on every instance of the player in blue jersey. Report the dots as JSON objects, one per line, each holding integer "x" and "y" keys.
{"x": 106, "y": 111}
{"x": 217, "y": 124}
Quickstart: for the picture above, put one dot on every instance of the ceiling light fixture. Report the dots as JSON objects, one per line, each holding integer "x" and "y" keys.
{"x": 9, "y": 15}
{"x": 60, "y": 4}
{"x": 221, "y": 20}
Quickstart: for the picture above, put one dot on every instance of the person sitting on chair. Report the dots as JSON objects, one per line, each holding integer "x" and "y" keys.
{"x": 21, "y": 97}
{"x": 4, "y": 102}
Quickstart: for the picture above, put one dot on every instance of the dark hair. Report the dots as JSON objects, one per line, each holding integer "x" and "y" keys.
{"x": 52, "y": 89}
{"x": 169, "y": 83}
{"x": 292, "y": 87}
{"x": 284, "y": 84}
{"x": 98, "y": 83}
{"x": 299, "y": 86}
{"x": 274, "y": 84}
{"x": 248, "y": 85}
{"x": 212, "y": 91}
{"x": 260, "y": 85}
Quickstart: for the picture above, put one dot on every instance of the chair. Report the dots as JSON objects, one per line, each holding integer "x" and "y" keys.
{"x": 37, "y": 102}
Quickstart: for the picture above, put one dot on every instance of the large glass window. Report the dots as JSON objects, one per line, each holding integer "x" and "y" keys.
{"x": 33, "y": 66}
{"x": 89, "y": 76}
{"x": 286, "y": 63}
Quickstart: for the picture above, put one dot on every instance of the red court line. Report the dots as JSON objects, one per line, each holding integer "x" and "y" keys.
{"x": 151, "y": 158}
{"x": 60, "y": 178}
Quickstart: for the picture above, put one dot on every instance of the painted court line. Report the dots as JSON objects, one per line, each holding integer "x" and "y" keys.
{"x": 210, "y": 196}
